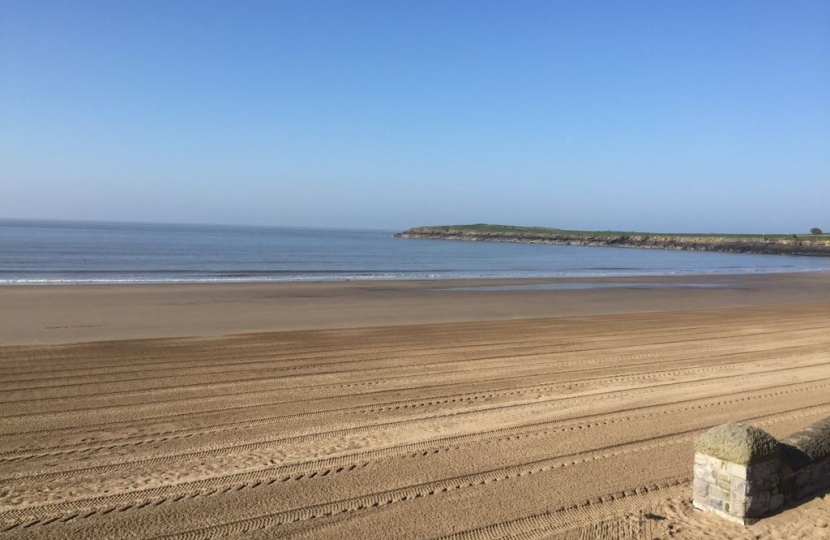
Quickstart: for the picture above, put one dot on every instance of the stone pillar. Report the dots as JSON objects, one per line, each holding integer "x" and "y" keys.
{"x": 736, "y": 473}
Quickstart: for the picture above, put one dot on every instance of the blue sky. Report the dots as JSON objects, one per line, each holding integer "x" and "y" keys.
{"x": 671, "y": 116}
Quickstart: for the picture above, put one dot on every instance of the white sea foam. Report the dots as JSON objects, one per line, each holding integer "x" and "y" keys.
{"x": 283, "y": 278}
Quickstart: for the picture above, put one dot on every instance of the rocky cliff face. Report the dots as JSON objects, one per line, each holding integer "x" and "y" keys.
{"x": 795, "y": 245}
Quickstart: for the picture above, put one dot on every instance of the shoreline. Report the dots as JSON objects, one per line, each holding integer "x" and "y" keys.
{"x": 395, "y": 279}
{"x": 31, "y": 314}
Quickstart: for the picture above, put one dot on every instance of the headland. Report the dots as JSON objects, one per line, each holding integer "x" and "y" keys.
{"x": 768, "y": 244}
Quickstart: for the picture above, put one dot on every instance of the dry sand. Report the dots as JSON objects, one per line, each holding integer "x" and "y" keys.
{"x": 531, "y": 414}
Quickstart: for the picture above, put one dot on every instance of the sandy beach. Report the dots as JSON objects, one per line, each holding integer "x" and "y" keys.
{"x": 423, "y": 409}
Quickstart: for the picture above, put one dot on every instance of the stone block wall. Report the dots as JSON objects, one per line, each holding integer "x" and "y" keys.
{"x": 805, "y": 462}
{"x": 739, "y": 493}
{"x": 742, "y": 473}
{"x": 800, "y": 484}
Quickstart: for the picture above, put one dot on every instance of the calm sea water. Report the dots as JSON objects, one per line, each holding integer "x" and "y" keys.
{"x": 37, "y": 252}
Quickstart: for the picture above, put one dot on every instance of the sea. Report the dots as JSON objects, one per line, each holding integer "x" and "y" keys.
{"x": 53, "y": 252}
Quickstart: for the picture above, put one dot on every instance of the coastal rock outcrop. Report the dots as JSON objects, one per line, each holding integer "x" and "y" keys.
{"x": 816, "y": 245}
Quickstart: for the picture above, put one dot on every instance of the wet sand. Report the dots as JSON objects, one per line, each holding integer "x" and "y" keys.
{"x": 60, "y": 314}
{"x": 396, "y": 409}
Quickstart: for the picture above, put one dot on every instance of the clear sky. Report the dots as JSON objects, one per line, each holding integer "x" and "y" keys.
{"x": 661, "y": 115}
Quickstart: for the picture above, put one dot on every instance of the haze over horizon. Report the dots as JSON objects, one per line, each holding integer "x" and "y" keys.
{"x": 647, "y": 116}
